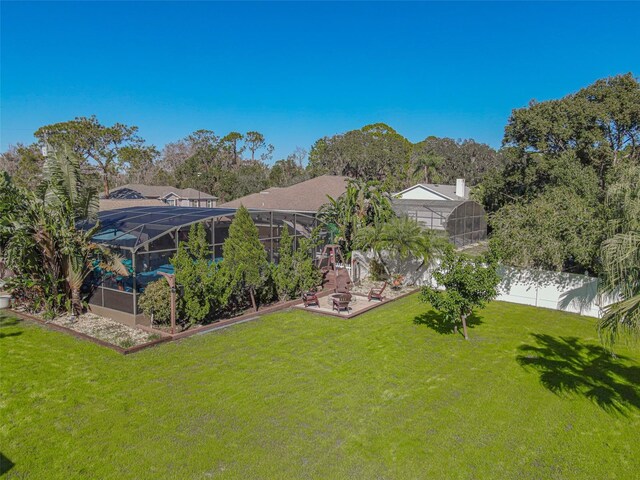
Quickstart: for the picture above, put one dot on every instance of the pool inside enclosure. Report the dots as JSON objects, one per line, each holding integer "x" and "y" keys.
{"x": 147, "y": 238}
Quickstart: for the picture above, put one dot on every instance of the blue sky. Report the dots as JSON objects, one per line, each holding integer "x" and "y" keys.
{"x": 299, "y": 71}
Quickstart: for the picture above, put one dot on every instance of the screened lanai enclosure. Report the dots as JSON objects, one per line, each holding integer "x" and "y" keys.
{"x": 464, "y": 221}
{"x": 147, "y": 238}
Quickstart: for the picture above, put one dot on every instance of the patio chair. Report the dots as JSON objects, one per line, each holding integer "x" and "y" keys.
{"x": 376, "y": 293}
{"x": 343, "y": 282}
{"x": 340, "y": 302}
{"x": 310, "y": 298}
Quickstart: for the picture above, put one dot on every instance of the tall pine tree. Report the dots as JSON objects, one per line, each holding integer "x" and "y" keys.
{"x": 244, "y": 256}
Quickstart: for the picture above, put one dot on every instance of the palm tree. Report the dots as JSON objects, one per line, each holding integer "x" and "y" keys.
{"x": 69, "y": 200}
{"x": 403, "y": 238}
{"x": 45, "y": 244}
{"x": 621, "y": 258}
{"x": 362, "y": 204}
{"x": 428, "y": 164}
{"x": 406, "y": 238}
{"x": 372, "y": 237}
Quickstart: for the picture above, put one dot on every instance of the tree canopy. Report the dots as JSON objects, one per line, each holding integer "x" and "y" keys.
{"x": 95, "y": 143}
{"x": 469, "y": 283}
{"x": 244, "y": 256}
{"x": 547, "y": 201}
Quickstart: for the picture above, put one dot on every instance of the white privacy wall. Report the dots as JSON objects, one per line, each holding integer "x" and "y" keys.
{"x": 555, "y": 290}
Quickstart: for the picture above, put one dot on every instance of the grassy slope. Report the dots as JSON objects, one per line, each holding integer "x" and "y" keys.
{"x": 296, "y": 395}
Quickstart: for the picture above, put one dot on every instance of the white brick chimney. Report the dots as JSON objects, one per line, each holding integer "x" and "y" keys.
{"x": 460, "y": 190}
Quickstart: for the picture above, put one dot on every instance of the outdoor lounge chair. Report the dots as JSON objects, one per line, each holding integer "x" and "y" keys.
{"x": 310, "y": 298}
{"x": 343, "y": 282}
{"x": 340, "y": 302}
{"x": 376, "y": 293}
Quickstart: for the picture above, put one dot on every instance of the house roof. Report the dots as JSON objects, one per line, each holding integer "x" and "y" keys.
{"x": 307, "y": 196}
{"x": 157, "y": 191}
{"x": 115, "y": 203}
{"x": 448, "y": 191}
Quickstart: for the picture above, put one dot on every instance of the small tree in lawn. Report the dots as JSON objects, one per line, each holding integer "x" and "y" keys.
{"x": 244, "y": 256}
{"x": 469, "y": 282}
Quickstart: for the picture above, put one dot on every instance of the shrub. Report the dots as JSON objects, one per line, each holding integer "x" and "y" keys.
{"x": 156, "y": 301}
{"x": 204, "y": 284}
{"x": 283, "y": 273}
{"x": 306, "y": 273}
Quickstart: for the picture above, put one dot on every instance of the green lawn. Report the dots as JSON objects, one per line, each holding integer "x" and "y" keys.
{"x": 296, "y": 395}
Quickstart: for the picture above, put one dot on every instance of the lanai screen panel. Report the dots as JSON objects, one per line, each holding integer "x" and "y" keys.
{"x": 464, "y": 220}
{"x": 148, "y": 237}
{"x": 134, "y": 227}
{"x": 467, "y": 224}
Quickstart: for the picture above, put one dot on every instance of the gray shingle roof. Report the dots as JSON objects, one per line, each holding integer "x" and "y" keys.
{"x": 307, "y": 196}
{"x": 115, "y": 203}
{"x": 160, "y": 191}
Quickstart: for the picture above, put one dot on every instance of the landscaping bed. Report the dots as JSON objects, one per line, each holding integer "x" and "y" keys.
{"x": 100, "y": 328}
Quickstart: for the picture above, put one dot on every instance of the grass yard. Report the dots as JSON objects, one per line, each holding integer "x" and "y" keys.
{"x": 294, "y": 395}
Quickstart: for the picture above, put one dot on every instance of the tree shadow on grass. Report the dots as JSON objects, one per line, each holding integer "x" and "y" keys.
{"x": 6, "y": 321}
{"x": 438, "y": 323}
{"x": 567, "y": 365}
{"x": 5, "y": 464}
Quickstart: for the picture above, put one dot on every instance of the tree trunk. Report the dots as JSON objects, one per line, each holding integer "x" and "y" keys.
{"x": 464, "y": 326}
{"x": 381, "y": 262}
{"x": 76, "y": 302}
{"x": 253, "y": 299}
{"x": 105, "y": 183}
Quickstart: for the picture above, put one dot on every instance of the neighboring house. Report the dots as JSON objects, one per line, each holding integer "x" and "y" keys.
{"x": 434, "y": 191}
{"x": 307, "y": 196}
{"x": 445, "y": 208}
{"x": 179, "y": 197}
{"x": 115, "y": 203}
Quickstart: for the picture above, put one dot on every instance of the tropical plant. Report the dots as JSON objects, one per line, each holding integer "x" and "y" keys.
{"x": 469, "y": 283}
{"x": 400, "y": 238}
{"x": 362, "y": 204}
{"x": 45, "y": 245}
{"x": 373, "y": 237}
{"x": 427, "y": 163}
{"x": 245, "y": 257}
{"x": 621, "y": 258}
{"x": 405, "y": 238}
